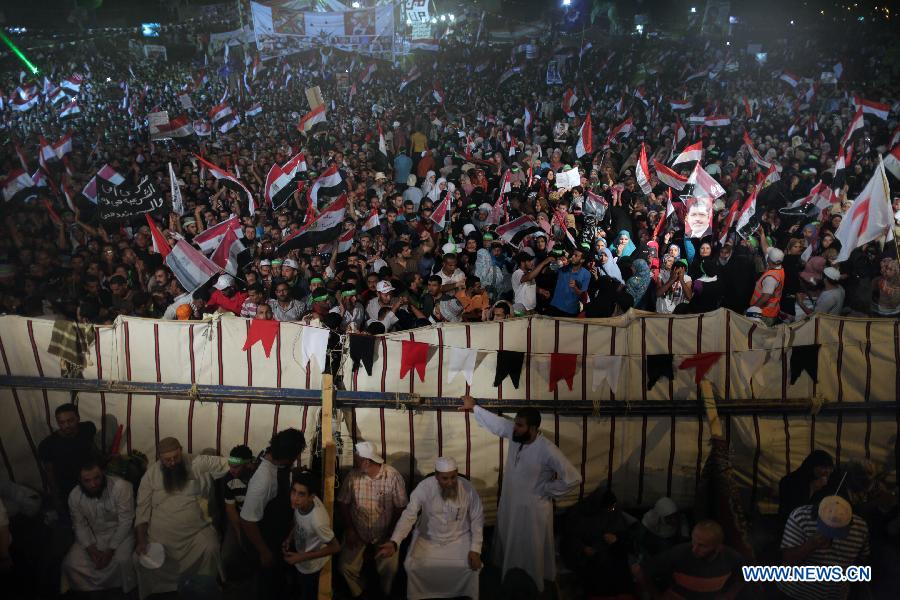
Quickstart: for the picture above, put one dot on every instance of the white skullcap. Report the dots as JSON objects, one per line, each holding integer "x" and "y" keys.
{"x": 468, "y": 228}
{"x": 445, "y": 464}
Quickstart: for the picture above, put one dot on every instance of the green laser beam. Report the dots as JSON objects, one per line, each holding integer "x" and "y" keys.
{"x": 34, "y": 70}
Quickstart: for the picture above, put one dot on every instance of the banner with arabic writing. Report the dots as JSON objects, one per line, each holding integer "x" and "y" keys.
{"x": 123, "y": 202}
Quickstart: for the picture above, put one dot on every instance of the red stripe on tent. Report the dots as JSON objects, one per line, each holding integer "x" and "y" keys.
{"x": 219, "y": 340}
{"x": 612, "y": 448}
{"x": 787, "y": 444}
{"x": 840, "y": 360}
{"x": 440, "y": 373}
{"x": 158, "y": 379}
{"x": 556, "y": 428}
{"x": 837, "y": 441}
{"x": 868, "y": 359}
{"x": 383, "y": 439}
{"x": 303, "y": 424}
{"x": 528, "y": 361}
{"x": 40, "y": 370}
{"x": 468, "y": 345}
{"x": 584, "y": 441}
{"x": 468, "y": 444}
{"x": 584, "y": 367}
{"x": 727, "y": 355}
{"x": 784, "y": 380}
{"x": 22, "y": 419}
{"x": 102, "y": 394}
{"x": 555, "y": 387}
{"x": 128, "y": 374}
{"x": 612, "y": 352}
{"x": 640, "y": 492}
{"x": 699, "y": 347}
{"x": 699, "y": 467}
{"x": 221, "y": 379}
{"x": 500, "y": 388}
{"x": 308, "y": 364}
{"x": 440, "y": 432}
{"x": 190, "y": 440}
{"x": 643, "y": 360}
{"x": 412, "y": 447}
{"x": 671, "y": 323}
{"x": 277, "y": 379}
{"x": 756, "y": 456}
{"x": 671, "y": 455}
{"x": 249, "y": 384}
{"x": 816, "y": 341}
{"x": 6, "y": 463}
{"x": 384, "y": 360}
{"x": 412, "y": 372}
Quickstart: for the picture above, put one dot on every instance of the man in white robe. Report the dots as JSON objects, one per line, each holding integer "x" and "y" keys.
{"x": 535, "y": 473}
{"x": 102, "y": 509}
{"x": 169, "y": 512}
{"x": 444, "y": 558}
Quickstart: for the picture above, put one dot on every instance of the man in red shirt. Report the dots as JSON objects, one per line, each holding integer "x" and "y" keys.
{"x": 226, "y": 296}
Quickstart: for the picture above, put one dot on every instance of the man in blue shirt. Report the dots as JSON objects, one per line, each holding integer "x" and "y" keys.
{"x": 571, "y": 282}
{"x": 402, "y": 167}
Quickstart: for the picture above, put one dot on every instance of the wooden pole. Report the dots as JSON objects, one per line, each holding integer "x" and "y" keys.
{"x": 328, "y": 460}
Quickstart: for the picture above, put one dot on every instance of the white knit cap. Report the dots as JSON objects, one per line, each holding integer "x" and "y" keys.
{"x": 445, "y": 464}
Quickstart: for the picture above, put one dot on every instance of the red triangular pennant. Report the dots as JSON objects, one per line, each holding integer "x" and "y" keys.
{"x": 262, "y": 331}
{"x": 702, "y": 362}
{"x": 562, "y": 366}
{"x": 413, "y": 356}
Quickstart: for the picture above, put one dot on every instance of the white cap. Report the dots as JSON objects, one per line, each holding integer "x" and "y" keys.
{"x": 665, "y": 506}
{"x": 832, "y": 274}
{"x": 367, "y": 450}
{"x": 224, "y": 281}
{"x": 485, "y": 206}
{"x": 448, "y": 248}
{"x": 384, "y": 287}
{"x": 445, "y": 464}
{"x": 265, "y": 262}
{"x": 290, "y": 262}
{"x": 774, "y": 255}
{"x": 468, "y": 228}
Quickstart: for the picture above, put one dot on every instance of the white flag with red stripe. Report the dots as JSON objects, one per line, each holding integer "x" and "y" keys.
{"x": 870, "y": 216}
{"x": 585, "y": 138}
{"x": 642, "y": 173}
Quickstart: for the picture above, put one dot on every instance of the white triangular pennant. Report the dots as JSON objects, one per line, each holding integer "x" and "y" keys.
{"x": 461, "y": 360}
{"x": 606, "y": 368}
{"x": 313, "y": 344}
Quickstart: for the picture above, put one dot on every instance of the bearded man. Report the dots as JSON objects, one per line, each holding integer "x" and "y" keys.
{"x": 444, "y": 557}
{"x": 102, "y": 509}
{"x": 168, "y": 513}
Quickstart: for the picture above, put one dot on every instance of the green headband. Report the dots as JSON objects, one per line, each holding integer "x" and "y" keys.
{"x": 316, "y": 280}
{"x": 321, "y": 298}
{"x": 489, "y": 236}
{"x": 237, "y": 461}
{"x": 348, "y": 293}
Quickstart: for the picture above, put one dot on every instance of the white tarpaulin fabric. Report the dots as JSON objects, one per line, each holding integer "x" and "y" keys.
{"x": 642, "y": 456}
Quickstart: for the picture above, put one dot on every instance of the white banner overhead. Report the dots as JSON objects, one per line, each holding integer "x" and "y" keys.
{"x": 280, "y": 31}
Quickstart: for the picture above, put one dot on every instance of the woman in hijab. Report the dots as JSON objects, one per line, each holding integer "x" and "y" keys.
{"x": 798, "y": 487}
{"x": 439, "y": 188}
{"x": 661, "y": 528}
{"x": 428, "y": 183}
{"x": 624, "y": 246}
{"x": 639, "y": 282}
{"x": 465, "y": 182}
{"x": 607, "y": 265}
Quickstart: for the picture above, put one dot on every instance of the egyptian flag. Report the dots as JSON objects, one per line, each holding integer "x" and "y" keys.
{"x": 229, "y": 181}
{"x": 106, "y": 172}
{"x": 680, "y": 104}
{"x": 790, "y": 79}
{"x": 178, "y": 127}
{"x": 876, "y": 109}
{"x": 771, "y": 176}
{"x": 619, "y": 106}
{"x": 517, "y": 230}
{"x": 63, "y": 146}
{"x": 729, "y": 221}
{"x": 160, "y": 245}
{"x": 73, "y": 83}
{"x": 680, "y": 133}
{"x": 210, "y": 239}
{"x": 413, "y": 74}
{"x": 508, "y": 73}
{"x": 820, "y": 195}
{"x": 568, "y": 102}
{"x": 325, "y": 228}
{"x": 189, "y": 266}
{"x": 747, "y": 109}
{"x": 892, "y": 162}
{"x": 840, "y": 170}
{"x": 327, "y": 185}
{"x": 757, "y": 157}
{"x": 219, "y": 112}
{"x": 499, "y": 207}
{"x": 20, "y": 104}
{"x": 854, "y": 130}
{"x": 669, "y": 177}
{"x": 642, "y": 173}
{"x": 226, "y": 255}
{"x": 56, "y": 95}
{"x": 438, "y": 93}
{"x": 369, "y": 73}
{"x": 202, "y": 128}
{"x": 46, "y": 152}
{"x": 703, "y": 184}
{"x": 310, "y": 119}
{"x": 585, "y": 138}
{"x": 624, "y": 129}
{"x": 439, "y": 215}
{"x": 527, "y": 119}
{"x": 746, "y": 223}
{"x": 692, "y": 153}
{"x": 641, "y": 95}
{"x": 70, "y": 110}
{"x": 371, "y": 222}
{"x": 717, "y": 121}
{"x": 280, "y": 180}
{"x": 254, "y": 110}
{"x": 352, "y": 92}
{"x": 382, "y": 144}
{"x": 18, "y": 185}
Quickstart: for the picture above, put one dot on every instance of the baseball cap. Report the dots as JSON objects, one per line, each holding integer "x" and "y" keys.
{"x": 835, "y": 517}
{"x": 774, "y": 255}
{"x": 832, "y": 274}
{"x": 290, "y": 262}
{"x": 265, "y": 262}
{"x": 224, "y": 281}
{"x": 384, "y": 287}
{"x": 367, "y": 450}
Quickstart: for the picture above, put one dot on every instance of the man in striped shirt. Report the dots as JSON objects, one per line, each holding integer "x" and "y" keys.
{"x": 827, "y": 534}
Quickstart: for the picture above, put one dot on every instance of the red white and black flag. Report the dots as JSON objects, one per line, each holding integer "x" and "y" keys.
{"x": 325, "y": 228}
{"x": 568, "y": 102}
{"x": 624, "y": 129}
{"x": 517, "y": 230}
{"x": 855, "y": 129}
{"x": 189, "y": 266}
{"x": 441, "y": 211}
{"x": 106, "y": 172}
{"x": 18, "y": 185}
{"x": 413, "y": 74}
{"x": 229, "y": 181}
{"x": 209, "y": 239}
{"x": 280, "y": 180}
{"x": 585, "y": 138}
{"x": 219, "y": 112}
{"x": 227, "y": 255}
{"x": 73, "y": 83}
{"x": 70, "y": 110}
{"x": 692, "y": 153}
{"x": 369, "y": 73}
{"x": 669, "y": 177}
{"x": 757, "y": 157}
{"x": 312, "y": 118}
{"x": 642, "y": 171}
{"x": 870, "y": 107}
{"x": 329, "y": 184}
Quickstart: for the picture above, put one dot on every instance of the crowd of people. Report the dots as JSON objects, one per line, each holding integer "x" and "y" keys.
{"x": 202, "y": 525}
{"x": 602, "y": 243}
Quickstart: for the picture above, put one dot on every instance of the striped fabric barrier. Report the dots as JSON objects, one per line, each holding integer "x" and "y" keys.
{"x": 642, "y": 453}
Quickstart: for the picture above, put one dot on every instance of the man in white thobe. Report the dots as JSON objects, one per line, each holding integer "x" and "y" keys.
{"x": 444, "y": 557}
{"x": 535, "y": 473}
{"x": 169, "y": 512}
{"x": 102, "y": 509}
